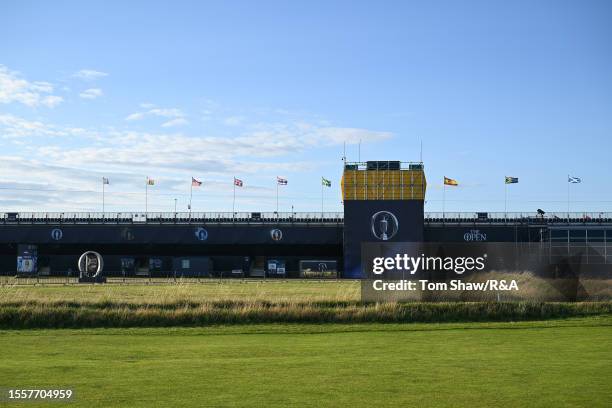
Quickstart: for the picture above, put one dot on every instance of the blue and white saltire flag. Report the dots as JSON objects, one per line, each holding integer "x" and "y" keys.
{"x": 574, "y": 180}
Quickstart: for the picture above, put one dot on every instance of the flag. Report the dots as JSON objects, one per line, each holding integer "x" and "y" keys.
{"x": 195, "y": 183}
{"x": 574, "y": 180}
{"x": 281, "y": 181}
{"x": 150, "y": 182}
{"x": 511, "y": 180}
{"x": 105, "y": 180}
{"x": 238, "y": 182}
{"x": 450, "y": 182}
{"x": 325, "y": 182}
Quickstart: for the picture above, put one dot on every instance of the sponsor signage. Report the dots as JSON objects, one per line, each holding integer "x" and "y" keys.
{"x": 27, "y": 259}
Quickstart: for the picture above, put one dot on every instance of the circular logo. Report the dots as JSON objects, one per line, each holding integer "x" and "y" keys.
{"x": 201, "y": 234}
{"x": 90, "y": 264}
{"x": 384, "y": 225}
{"x": 56, "y": 234}
{"x": 276, "y": 234}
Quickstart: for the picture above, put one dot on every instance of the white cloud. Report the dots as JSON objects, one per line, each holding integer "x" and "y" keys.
{"x": 13, "y": 88}
{"x": 130, "y": 150}
{"x": 166, "y": 113}
{"x": 89, "y": 74}
{"x": 135, "y": 116}
{"x": 84, "y": 155}
{"x": 176, "y": 115}
{"x": 13, "y": 127}
{"x": 40, "y": 86}
{"x": 175, "y": 122}
{"x": 91, "y": 93}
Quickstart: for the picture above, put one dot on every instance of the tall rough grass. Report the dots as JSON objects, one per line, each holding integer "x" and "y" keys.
{"x": 116, "y": 314}
{"x": 250, "y": 302}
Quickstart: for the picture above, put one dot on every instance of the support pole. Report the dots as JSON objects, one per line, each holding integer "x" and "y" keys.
{"x": 102, "y": 196}
{"x": 234, "y": 200}
{"x": 568, "y": 198}
{"x": 277, "y": 197}
{"x": 190, "y": 196}
{"x": 443, "y": 201}
{"x": 505, "y": 200}
{"x": 147, "y": 195}
{"x": 421, "y": 152}
{"x": 321, "y": 197}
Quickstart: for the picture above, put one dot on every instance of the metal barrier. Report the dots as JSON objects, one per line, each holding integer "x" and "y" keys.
{"x": 13, "y": 281}
{"x": 288, "y": 217}
{"x": 164, "y": 217}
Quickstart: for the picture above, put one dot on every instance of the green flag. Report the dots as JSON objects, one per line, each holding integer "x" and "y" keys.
{"x": 511, "y": 180}
{"x": 325, "y": 182}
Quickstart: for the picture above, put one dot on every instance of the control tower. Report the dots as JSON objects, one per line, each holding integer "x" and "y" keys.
{"x": 383, "y": 202}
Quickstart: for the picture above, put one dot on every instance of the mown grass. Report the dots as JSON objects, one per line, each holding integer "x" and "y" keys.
{"x": 537, "y": 364}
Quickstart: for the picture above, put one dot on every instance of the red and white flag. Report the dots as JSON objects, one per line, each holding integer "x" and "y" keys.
{"x": 237, "y": 182}
{"x": 281, "y": 181}
{"x": 195, "y": 183}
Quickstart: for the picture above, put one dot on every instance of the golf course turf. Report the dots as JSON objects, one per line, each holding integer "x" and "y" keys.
{"x": 264, "y": 344}
{"x": 538, "y": 363}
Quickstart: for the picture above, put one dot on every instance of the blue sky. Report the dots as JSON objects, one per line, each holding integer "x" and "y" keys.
{"x": 259, "y": 89}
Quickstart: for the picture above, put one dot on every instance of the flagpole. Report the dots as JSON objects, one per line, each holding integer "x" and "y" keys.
{"x": 321, "y": 197}
{"x": 147, "y": 195}
{"x": 505, "y": 199}
{"x": 234, "y": 201}
{"x": 103, "y": 196}
{"x": 190, "y": 196}
{"x": 443, "y": 202}
{"x": 568, "y": 197}
{"x": 277, "y": 197}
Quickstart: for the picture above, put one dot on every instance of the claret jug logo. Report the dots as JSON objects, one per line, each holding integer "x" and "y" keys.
{"x": 201, "y": 234}
{"x": 474, "y": 235}
{"x": 384, "y": 225}
{"x": 276, "y": 234}
{"x": 56, "y": 234}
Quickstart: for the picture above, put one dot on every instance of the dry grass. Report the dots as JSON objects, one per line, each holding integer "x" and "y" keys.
{"x": 186, "y": 292}
{"x": 245, "y": 302}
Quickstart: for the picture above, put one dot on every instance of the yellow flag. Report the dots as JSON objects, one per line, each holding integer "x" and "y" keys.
{"x": 450, "y": 182}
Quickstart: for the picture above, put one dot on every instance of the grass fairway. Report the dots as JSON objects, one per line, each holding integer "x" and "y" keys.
{"x": 547, "y": 364}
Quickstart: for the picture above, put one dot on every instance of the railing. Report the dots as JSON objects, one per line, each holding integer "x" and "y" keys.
{"x": 386, "y": 165}
{"x": 290, "y": 217}
{"x": 169, "y": 217}
{"x": 526, "y": 217}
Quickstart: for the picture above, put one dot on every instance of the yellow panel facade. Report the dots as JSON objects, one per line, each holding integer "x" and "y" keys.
{"x": 383, "y": 185}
